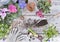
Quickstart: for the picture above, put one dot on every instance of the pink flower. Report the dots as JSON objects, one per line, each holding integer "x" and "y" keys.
{"x": 39, "y": 13}
{"x": 12, "y": 8}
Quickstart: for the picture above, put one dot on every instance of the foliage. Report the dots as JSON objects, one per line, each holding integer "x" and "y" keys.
{"x": 7, "y": 18}
{"x": 44, "y": 5}
{"x": 50, "y": 32}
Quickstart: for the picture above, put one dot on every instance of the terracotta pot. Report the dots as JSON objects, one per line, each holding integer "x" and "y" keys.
{"x": 49, "y": 1}
{"x": 31, "y": 6}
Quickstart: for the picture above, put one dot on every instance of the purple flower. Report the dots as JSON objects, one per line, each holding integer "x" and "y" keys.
{"x": 3, "y": 12}
{"x": 22, "y": 4}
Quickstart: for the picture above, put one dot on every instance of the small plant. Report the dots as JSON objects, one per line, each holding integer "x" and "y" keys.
{"x": 50, "y": 32}
{"x": 44, "y": 5}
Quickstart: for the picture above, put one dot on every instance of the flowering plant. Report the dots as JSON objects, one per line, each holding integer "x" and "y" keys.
{"x": 8, "y": 12}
